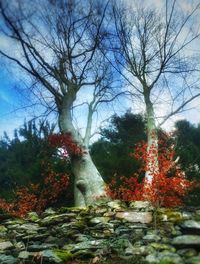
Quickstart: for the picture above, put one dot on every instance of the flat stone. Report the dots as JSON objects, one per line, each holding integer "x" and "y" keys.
{"x": 135, "y": 217}
{"x": 34, "y": 236}
{"x": 109, "y": 214}
{"x": 122, "y": 246}
{"x": 3, "y": 229}
{"x": 29, "y": 227}
{"x": 97, "y": 220}
{"x": 90, "y": 244}
{"x": 151, "y": 238}
{"x": 115, "y": 204}
{"x": 193, "y": 260}
{"x": 50, "y": 256}
{"x": 141, "y": 205}
{"x": 6, "y": 259}
{"x": 14, "y": 222}
{"x": 23, "y": 255}
{"x": 44, "y": 246}
{"x": 48, "y": 211}
{"x": 187, "y": 252}
{"x": 53, "y": 219}
{"x": 100, "y": 210}
{"x": 186, "y": 241}
{"x": 6, "y": 245}
{"x": 19, "y": 245}
{"x": 191, "y": 226}
{"x": 138, "y": 226}
{"x": 162, "y": 247}
{"x": 164, "y": 257}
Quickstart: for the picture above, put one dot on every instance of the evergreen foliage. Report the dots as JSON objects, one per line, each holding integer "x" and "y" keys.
{"x": 22, "y": 157}
{"x": 188, "y": 150}
{"x": 111, "y": 153}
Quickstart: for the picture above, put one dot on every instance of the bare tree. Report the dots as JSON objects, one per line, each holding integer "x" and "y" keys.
{"x": 151, "y": 54}
{"x": 57, "y": 44}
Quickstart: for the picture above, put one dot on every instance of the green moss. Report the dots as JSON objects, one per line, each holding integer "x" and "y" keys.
{"x": 64, "y": 255}
{"x": 162, "y": 247}
{"x": 169, "y": 215}
{"x": 80, "y": 224}
{"x": 84, "y": 254}
{"x": 33, "y": 217}
{"x": 117, "y": 260}
{"x": 71, "y": 209}
{"x": 15, "y": 221}
{"x": 3, "y": 229}
{"x": 85, "y": 211}
{"x": 197, "y": 217}
{"x": 166, "y": 262}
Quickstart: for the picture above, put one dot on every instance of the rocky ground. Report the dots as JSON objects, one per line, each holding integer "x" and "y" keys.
{"x": 106, "y": 233}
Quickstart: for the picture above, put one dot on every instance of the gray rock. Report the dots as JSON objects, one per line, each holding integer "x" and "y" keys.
{"x": 97, "y": 220}
{"x": 6, "y": 259}
{"x": 193, "y": 260}
{"x": 186, "y": 241}
{"x": 48, "y": 211}
{"x": 141, "y": 205}
{"x": 89, "y": 244}
{"x": 51, "y": 256}
{"x": 23, "y": 255}
{"x": 128, "y": 233}
{"x": 53, "y": 219}
{"x": 152, "y": 238}
{"x": 162, "y": 247}
{"x": 187, "y": 252}
{"x": 34, "y": 236}
{"x": 117, "y": 204}
{"x": 19, "y": 245}
{"x": 14, "y": 222}
{"x": 3, "y": 229}
{"x": 5, "y": 245}
{"x": 135, "y": 217}
{"x": 164, "y": 257}
{"x": 44, "y": 246}
{"x": 122, "y": 246}
{"x": 29, "y": 228}
{"x": 191, "y": 226}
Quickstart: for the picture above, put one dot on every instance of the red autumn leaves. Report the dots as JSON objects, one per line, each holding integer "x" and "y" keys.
{"x": 36, "y": 197}
{"x": 66, "y": 142}
{"x": 169, "y": 185}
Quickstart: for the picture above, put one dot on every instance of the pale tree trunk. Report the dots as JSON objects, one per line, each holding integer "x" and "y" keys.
{"x": 152, "y": 141}
{"x": 88, "y": 183}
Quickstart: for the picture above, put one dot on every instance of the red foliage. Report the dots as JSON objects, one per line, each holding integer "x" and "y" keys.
{"x": 37, "y": 197}
{"x": 66, "y": 142}
{"x": 169, "y": 185}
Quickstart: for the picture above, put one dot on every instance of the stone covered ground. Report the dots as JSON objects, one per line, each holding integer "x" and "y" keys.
{"x": 107, "y": 233}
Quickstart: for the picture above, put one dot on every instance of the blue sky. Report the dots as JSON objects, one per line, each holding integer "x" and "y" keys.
{"x": 12, "y": 113}
{"x": 8, "y": 116}
{"x": 11, "y": 100}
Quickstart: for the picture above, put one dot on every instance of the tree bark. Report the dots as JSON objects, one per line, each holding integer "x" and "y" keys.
{"x": 88, "y": 183}
{"x": 152, "y": 140}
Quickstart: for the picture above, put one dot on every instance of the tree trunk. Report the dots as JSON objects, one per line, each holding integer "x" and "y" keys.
{"x": 88, "y": 183}
{"x": 152, "y": 141}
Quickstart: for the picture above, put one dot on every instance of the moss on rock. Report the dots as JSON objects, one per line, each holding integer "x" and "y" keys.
{"x": 64, "y": 255}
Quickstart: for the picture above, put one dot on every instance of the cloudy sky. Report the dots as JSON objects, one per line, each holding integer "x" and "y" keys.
{"x": 13, "y": 101}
